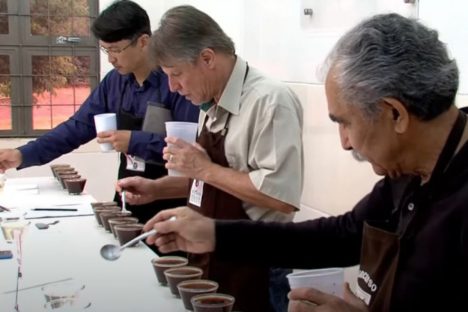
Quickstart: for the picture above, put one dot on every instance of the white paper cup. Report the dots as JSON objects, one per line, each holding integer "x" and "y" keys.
{"x": 105, "y": 122}
{"x": 186, "y": 131}
{"x": 329, "y": 280}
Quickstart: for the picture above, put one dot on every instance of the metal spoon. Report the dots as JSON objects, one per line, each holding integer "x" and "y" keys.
{"x": 124, "y": 209}
{"x": 112, "y": 252}
{"x": 43, "y": 226}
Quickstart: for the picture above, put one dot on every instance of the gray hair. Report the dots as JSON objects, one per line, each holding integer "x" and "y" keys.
{"x": 392, "y": 56}
{"x": 184, "y": 32}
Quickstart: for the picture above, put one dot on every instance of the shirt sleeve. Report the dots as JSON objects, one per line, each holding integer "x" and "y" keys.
{"x": 70, "y": 134}
{"x": 322, "y": 242}
{"x": 276, "y": 152}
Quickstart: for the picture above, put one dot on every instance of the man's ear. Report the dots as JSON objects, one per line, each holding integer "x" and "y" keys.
{"x": 207, "y": 57}
{"x": 144, "y": 40}
{"x": 399, "y": 113}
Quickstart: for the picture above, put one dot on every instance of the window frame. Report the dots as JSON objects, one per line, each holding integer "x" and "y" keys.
{"x": 21, "y": 46}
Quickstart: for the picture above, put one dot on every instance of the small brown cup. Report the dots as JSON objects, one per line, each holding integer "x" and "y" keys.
{"x": 64, "y": 171}
{"x": 67, "y": 176}
{"x": 120, "y": 220}
{"x": 54, "y": 167}
{"x": 161, "y": 264}
{"x": 103, "y": 204}
{"x": 75, "y": 186}
{"x": 190, "y": 288}
{"x": 105, "y": 216}
{"x": 176, "y": 275}
{"x": 127, "y": 232}
{"x": 216, "y": 302}
{"x": 99, "y": 210}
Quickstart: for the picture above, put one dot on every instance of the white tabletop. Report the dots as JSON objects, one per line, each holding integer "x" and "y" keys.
{"x": 70, "y": 250}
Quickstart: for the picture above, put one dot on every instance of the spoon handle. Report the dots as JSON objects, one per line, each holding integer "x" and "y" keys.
{"x": 123, "y": 201}
{"x": 138, "y": 238}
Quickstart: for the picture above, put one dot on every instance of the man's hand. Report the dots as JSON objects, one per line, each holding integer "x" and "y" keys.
{"x": 138, "y": 190}
{"x": 190, "y": 231}
{"x": 310, "y": 299}
{"x": 189, "y": 159}
{"x": 10, "y": 158}
{"x": 119, "y": 139}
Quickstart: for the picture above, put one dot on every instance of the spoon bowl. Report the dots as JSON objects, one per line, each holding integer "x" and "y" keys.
{"x": 112, "y": 252}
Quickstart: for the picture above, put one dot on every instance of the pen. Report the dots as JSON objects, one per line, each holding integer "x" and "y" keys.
{"x": 54, "y": 209}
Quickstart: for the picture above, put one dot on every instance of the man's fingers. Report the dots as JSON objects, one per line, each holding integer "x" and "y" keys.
{"x": 309, "y": 294}
{"x": 351, "y": 298}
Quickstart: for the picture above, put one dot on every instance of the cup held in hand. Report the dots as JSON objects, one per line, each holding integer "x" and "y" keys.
{"x": 186, "y": 131}
{"x": 329, "y": 280}
{"x": 105, "y": 122}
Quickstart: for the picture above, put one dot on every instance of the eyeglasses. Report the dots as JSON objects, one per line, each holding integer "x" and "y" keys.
{"x": 117, "y": 51}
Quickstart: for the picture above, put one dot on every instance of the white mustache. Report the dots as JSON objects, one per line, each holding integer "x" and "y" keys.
{"x": 358, "y": 156}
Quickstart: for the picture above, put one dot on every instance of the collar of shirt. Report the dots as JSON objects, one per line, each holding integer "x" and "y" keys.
{"x": 153, "y": 80}
{"x": 231, "y": 97}
{"x": 230, "y": 100}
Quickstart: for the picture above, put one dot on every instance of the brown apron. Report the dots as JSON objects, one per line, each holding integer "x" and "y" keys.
{"x": 380, "y": 251}
{"x": 247, "y": 283}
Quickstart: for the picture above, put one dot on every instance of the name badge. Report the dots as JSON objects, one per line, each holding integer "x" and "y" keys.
{"x": 135, "y": 163}
{"x": 196, "y": 193}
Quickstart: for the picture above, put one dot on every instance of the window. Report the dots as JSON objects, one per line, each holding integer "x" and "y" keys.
{"x": 48, "y": 63}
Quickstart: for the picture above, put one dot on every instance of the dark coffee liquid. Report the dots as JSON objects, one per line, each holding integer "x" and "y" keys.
{"x": 183, "y": 272}
{"x": 213, "y": 300}
{"x": 198, "y": 286}
{"x": 168, "y": 261}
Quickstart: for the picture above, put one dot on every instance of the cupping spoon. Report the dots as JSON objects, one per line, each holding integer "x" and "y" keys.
{"x": 124, "y": 209}
{"x": 112, "y": 252}
{"x": 43, "y": 226}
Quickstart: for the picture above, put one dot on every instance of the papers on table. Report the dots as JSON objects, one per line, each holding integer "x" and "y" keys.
{"x": 30, "y": 188}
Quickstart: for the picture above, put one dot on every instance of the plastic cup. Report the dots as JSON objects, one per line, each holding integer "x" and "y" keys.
{"x": 176, "y": 275}
{"x": 329, "y": 280}
{"x": 120, "y": 220}
{"x": 75, "y": 186}
{"x": 161, "y": 264}
{"x": 65, "y": 296}
{"x": 186, "y": 131}
{"x": 105, "y": 122}
{"x": 190, "y": 288}
{"x": 127, "y": 232}
{"x": 213, "y": 302}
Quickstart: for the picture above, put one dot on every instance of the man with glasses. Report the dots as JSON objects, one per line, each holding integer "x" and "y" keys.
{"x": 123, "y": 30}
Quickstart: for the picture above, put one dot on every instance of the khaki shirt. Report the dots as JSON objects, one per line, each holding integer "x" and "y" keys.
{"x": 264, "y": 136}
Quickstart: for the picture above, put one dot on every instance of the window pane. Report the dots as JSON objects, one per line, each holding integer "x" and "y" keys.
{"x": 42, "y": 117}
{"x": 82, "y": 90}
{"x": 5, "y": 92}
{"x": 4, "y": 17}
{"x": 59, "y": 88}
{"x": 60, "y": 18}
{"x": 61, "y": 113}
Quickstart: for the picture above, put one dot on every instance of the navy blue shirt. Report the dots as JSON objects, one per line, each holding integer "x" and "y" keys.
{"x": 114, "y": 91}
